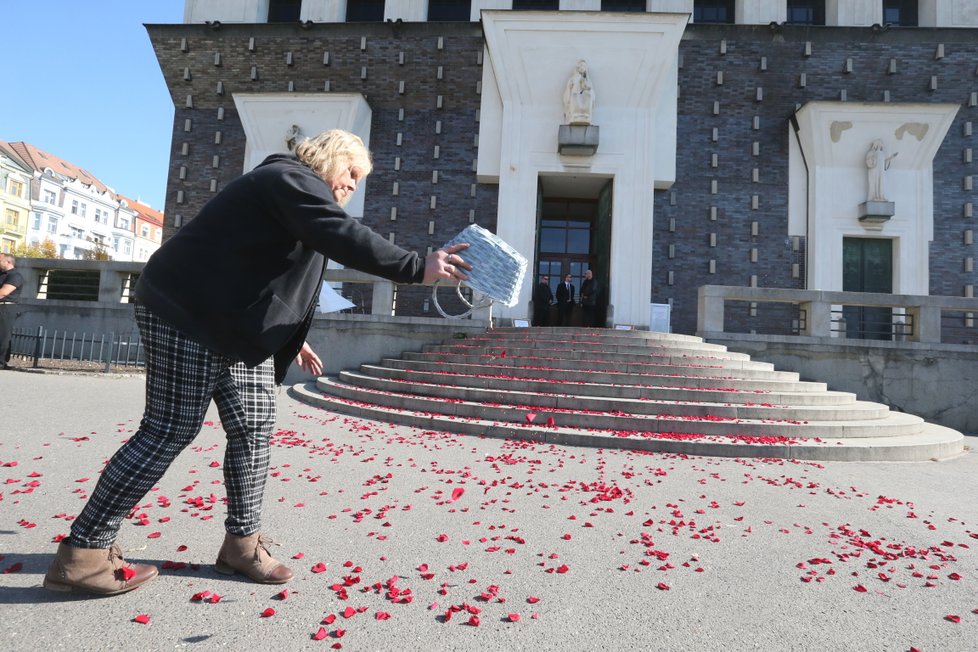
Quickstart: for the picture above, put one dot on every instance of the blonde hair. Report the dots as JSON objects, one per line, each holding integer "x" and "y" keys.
{"x": 326, "y": 152}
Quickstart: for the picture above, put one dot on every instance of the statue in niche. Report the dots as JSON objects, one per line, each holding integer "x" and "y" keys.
{"x": 579, "y": 96}
{"x": 877, "y": 162}
{"x": 293, "y": 136}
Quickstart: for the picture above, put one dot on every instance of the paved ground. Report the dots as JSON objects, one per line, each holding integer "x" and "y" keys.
{"x": 589, "y": 549}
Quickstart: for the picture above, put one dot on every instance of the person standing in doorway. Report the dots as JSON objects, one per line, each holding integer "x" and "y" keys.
{"x": 543, "y": 298}
{"x": 11, "y": 282}
{"x": 565, "y": 301}
{"x": 590, "y": 289}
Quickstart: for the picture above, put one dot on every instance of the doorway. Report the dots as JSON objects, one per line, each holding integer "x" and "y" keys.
{"x": 574, "y": 235}
{"x": 867, "y": 266}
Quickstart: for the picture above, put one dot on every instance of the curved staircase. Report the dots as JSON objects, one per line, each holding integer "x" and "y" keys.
{"x": 626, "y": 389}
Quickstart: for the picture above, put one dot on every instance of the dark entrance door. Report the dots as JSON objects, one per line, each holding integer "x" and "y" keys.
{"x": 867, "y": 266}
{"x": 570, "y": 241}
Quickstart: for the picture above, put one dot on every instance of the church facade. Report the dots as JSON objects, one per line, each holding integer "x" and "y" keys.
{"x": 664, "y": 145}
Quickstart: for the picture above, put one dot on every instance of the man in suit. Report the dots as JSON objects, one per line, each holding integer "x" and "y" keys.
{"x": 565, "y": 301}
{"x": 543, "y": 298}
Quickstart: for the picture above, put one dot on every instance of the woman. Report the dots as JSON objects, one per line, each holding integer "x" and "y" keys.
{"x": 223, "y": 307}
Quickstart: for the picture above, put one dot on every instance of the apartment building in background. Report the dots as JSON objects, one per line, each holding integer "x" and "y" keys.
{"x": 69, "y": 206}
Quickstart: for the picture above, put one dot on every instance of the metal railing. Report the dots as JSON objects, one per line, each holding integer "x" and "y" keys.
{"x": 107, "y": 350}
{"x": 837, "y": 315}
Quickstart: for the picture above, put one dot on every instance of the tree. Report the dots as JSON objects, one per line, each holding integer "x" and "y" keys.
{"x": 97, "y": 252}
{"x": 46, "y": 249}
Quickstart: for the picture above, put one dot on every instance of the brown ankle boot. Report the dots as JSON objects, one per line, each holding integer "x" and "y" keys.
{"x": 249, "y": 556}
{"x": 96, "y": 570}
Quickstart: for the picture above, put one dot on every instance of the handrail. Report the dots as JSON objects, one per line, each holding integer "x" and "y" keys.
{"x": 923, "y": 311}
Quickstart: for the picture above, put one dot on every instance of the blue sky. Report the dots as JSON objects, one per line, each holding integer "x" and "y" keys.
{"x": 81, "y": 81}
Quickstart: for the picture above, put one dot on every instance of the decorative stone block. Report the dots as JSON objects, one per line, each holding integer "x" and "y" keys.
{"x": 577, "y": 140}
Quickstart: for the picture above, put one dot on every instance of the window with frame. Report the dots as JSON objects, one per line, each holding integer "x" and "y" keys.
{"x": 76, "y": 232}
{"x": 52, "y": 224}
{"x": 537, "y": 5}
{"x": 623, "y": 5}
{"x": 144, "y": 230}
{"x": 13, "y": 217}
{"x": 284, "y": 11}
{"x": 806, "y": 12}
{"x": 16, "y": 188}
{"x": 50, "y": 197}
{"x": 902, "y": 13}
{"x": 714, "y": 11}
{"x": 101, "y": 216}
{"x": 459, "y": 10}
{"x": 124, "y": 222}
{"x": 364, "y": 11}
{"x": 74, "y": 207}
{"x": 36, "y": 221}
{"x": 126, "y": 247}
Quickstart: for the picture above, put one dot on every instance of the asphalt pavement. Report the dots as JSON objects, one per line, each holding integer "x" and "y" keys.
{"x": 408, "y": 539}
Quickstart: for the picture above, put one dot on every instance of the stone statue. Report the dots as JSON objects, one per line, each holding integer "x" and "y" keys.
{"x": 579, "y": 96}
{"x": 293, "y": 136}
{"x": 876, "y": 163}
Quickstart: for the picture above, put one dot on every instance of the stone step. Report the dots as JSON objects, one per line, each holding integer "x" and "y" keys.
{"x": 720, "y": 381}
{"x": 663, "y": 356}
{"x": 848, "y": 409}
{"x": 576, "y": 363}
{"x": 640, "y": 392}
{"x": 889, "y": 424}
{"x": 932, "y": 442}
{"x": 638, "y": 347}
{"x": 588, "y": 334}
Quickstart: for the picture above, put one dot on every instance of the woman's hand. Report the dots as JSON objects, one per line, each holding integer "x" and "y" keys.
{"x": 309, "y": 361}
{"x": 446, "y": 264}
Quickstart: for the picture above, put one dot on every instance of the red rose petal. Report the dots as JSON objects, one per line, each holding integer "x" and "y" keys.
{"x": 860, "y": 588}
{"x": 127, "y": 573}
{"x": 953, "y": 618}
{"x": 268, "y": 613}
{"x": 457, "y": 493}
{"x": 514, "y": 618}
{"x": 319, "y": 568}
{"x": 320, "y": 634}
{"x": 142, "y": 619}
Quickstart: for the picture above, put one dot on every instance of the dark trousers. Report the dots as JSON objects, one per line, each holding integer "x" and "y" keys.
{"x": 182, "y": 378}
{"x": 564, "y": 313}
{"x": 541, "y": 315}
{"x": 8, "y": 315}
{"x": 590, "y": 315}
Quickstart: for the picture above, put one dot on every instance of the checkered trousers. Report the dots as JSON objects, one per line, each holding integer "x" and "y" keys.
{"x": 182, "y": 378}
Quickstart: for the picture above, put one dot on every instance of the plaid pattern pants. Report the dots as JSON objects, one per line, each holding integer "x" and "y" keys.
{"x": 182, "y": 378}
